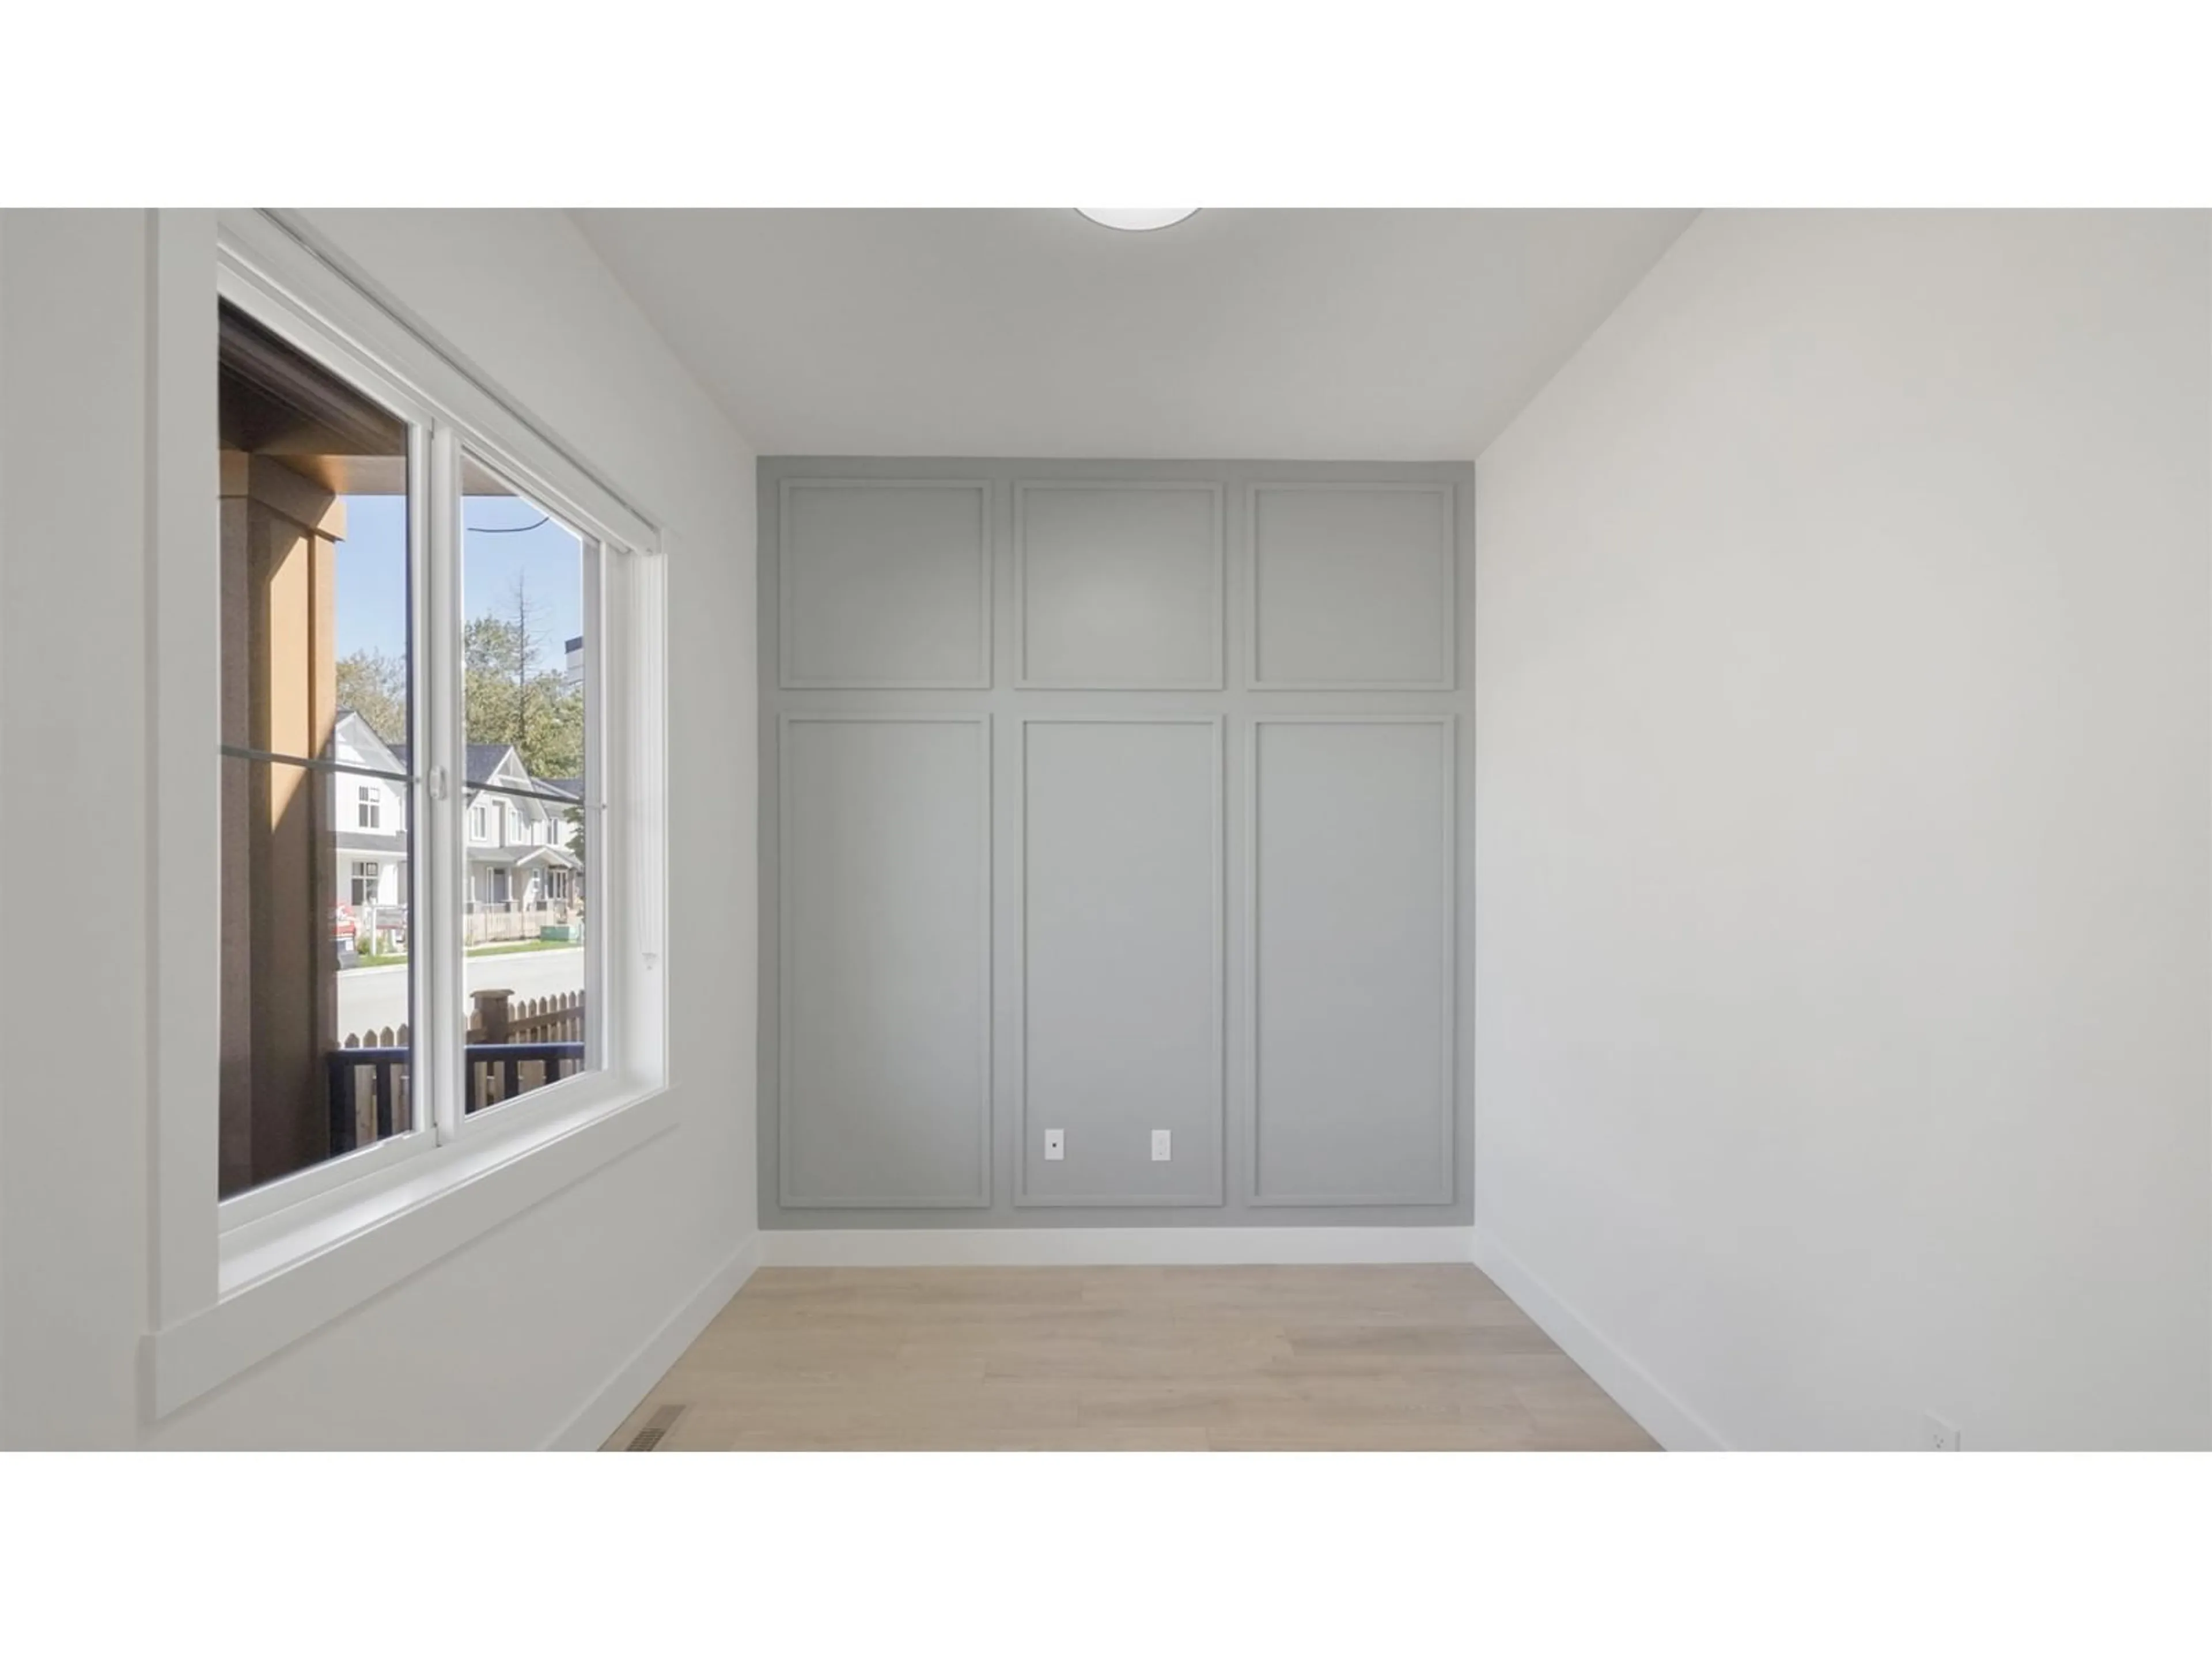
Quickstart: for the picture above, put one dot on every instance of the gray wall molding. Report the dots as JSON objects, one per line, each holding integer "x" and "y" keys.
{"x": 1437, "y": 1189}
{"x": 792, "y": 1010}
{"x": 1433, "y": 612}
{"x": 1214, "y": 677}
{"x": 955, "y": 591}
{"x": 1026, "y": 1135}
{"x": 1424, "y": 1177}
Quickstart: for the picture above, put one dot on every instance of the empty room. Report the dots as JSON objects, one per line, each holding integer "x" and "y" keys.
{"x": 933, "y": 835}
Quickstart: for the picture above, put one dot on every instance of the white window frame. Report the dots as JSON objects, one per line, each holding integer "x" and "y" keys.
{"x": 479, "y": 821}
{"x": 374, "y": 877}
{"x": 369, "y": 806}
{"x": 236, "y": 1281}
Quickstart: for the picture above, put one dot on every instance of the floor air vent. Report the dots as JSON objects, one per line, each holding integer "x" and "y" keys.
{"x": 655, "y": 1429}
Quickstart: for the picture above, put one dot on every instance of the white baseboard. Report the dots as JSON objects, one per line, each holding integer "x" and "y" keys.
{"x": 588, "y": 1431}
{"x": 1634, "y": 1389}
{"x": 1109, "y": 1246}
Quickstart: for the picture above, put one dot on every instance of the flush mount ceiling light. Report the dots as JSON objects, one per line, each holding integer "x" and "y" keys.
{"x": 1136, "y": 218}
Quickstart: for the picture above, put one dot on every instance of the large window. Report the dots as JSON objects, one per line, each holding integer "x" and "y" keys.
{"x": 410, "y": 643}
{"x": 410, "y": 764}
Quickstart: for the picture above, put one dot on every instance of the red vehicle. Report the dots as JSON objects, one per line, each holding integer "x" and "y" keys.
{"x": 342, "y": 922}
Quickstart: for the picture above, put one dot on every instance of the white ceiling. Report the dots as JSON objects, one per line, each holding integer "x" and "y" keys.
{"x": 1282, "y": 334}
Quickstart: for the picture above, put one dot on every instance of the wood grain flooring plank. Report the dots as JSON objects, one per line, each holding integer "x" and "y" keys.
{"x": 1292, "y": 1358}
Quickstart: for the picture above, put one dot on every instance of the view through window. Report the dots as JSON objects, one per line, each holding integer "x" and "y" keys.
{"x": 325, "y": 847}
{"x": 525, "y": 577}
{"x": 314, "y": 600}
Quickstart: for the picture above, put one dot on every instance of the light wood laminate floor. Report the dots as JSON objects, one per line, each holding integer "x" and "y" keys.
{"x": 1410, "y": 1358}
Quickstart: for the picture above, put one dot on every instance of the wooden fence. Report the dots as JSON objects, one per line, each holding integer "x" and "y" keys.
{"x": 498, "y": 1019}
{"x": 361, "y": 1083}
{"x": 486, "y": 922}
{"x": 502, "y": 1017}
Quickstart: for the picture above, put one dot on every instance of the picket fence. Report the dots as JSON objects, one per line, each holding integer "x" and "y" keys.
{"x": 495, "y": 1018}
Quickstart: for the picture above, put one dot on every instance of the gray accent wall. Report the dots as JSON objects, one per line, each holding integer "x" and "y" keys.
{"x": 885, "y": 1022}
{"x": 1110, "y": 798}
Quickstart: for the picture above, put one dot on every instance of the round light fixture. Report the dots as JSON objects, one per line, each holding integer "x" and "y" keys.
{"x": 1136, "y": 218}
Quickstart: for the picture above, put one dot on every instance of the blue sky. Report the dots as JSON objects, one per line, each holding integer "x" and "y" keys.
{"x": 372, "y": 592}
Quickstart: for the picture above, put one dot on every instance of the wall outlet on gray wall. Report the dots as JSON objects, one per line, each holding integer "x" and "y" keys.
{"x": 1055, "y": 1146}
{"x": 1159, "y": 1145}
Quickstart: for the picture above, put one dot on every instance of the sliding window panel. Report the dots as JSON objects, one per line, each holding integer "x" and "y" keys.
{"x": 531, "y": 919}
{"x": 885, "y": 1039}
{"x": 317, "y": 516}
{"x": 1352, "y": 921}
{"x": 1121, "y": 1033}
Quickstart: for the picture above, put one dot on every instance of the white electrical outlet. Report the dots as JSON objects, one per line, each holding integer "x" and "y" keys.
{"x": 1055, "y": 1146}
{"x": 1159, "y": 1145}
{"x": 1936, "y": 1435}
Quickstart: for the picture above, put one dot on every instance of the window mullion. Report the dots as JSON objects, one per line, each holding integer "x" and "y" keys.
{"x": 601, "y": 1033}
{"x": 441, "y": 1032}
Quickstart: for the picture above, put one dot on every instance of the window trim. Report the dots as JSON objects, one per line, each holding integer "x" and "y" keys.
{"x": 235, "y": 1280}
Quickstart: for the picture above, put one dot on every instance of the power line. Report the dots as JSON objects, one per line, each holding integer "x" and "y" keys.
{"x": 504, "y": 530}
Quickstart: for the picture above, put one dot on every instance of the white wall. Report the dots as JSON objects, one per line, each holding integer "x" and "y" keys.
{"x": 501, "y": 1344}
{"x": 1843, "y": 646}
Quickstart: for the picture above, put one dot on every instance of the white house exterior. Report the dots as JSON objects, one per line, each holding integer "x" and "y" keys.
{"x": 523, "y": 869}
{"x": 368, "y": 819}
{"x": 519, "y": 843}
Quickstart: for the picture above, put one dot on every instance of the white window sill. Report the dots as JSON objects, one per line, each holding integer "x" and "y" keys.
{"x": 279, "y": 1282}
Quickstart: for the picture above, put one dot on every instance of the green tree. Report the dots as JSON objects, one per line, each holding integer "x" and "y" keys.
{"x": 576, "y": 818}
{"x": 509, "y": 698}
{"x": 374, "y": 686}
{"x": 492, "y": 666}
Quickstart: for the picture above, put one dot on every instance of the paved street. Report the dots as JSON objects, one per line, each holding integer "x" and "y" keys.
{"x": 372, "y": 998}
